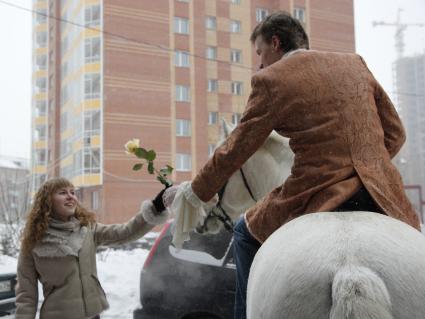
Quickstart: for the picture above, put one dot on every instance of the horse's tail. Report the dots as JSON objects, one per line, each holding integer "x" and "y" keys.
{"x": 359, "y": 293}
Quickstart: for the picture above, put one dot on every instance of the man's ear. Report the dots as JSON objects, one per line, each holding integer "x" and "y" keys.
{"x": 276, "y": 44}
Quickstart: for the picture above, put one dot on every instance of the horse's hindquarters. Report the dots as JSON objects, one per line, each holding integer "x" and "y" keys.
{"x": 293, "y": 272}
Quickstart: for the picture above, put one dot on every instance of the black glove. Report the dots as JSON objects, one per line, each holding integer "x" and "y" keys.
{"x": 158, "y": 202}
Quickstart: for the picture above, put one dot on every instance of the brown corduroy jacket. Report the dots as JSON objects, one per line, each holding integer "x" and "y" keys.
{"x": 343, "y": 130}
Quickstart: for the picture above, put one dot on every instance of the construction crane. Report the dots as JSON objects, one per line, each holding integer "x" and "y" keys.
{"x": 400, "y": 28}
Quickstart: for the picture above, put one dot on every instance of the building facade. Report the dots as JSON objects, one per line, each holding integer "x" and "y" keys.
{"x": 165, "y": 72}
{"x": 409, "y": 75}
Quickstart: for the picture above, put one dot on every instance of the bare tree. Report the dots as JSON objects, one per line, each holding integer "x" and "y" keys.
{"x": 14, "y": 203}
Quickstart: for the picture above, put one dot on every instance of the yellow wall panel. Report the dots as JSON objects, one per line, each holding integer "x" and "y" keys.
{"x": 40, "y": 96}
{"x": 211, "y": 7}
{"x": 40, "y": 144}
{"x": 41, "y": 27}
{"x": 67, "y": 161}
{"x": 92, "y": 104}
{"x": 40, "y": 5}
{"x": 211, "y": 38}
{"x": 93, "y": 179}
{"x": 40, "y": 120}
{"x": 212, "y": 102}
{"x": 40, "y": 74}
{"x": 67, "y": 134}
{"x": 77, "y": 180}
{"x": 95, "y": 140}
{"x": 212, "y": 70}
{"x": 40, "y": 51}
{"x": 77, "y": 145}
{"x": 92, "y": 68}
{"x": 40, "y": 169}
{"x": 89, "y": 33}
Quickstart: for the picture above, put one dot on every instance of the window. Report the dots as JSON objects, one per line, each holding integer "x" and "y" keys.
{"x": 41, "y": 85}
{"x": 261, "y": 14}
{"x": 211, "y": 23}
{"x": 40, "y": 133}
{"x": 66, "y": 171}
{"x": 65, "y": 148}
{"x": 40, "y": 157}
{"x": 64, "y": 70}
{"x": 212, "y": 85}
{"x": 183, "y": 128}
{"x": 211, "y": 53}
{"x": 236, "y": 118}
{"x": 92, "y": 85}
{"x": 92, "y": 122}
{"x": 237, "y": 88}
{"x": 183, "y": 162}
{"x": 91, "y": 126}
{"x": 181, "y": 25}
{"x": 64, "y": 44}
{"x": 64, "y": 96}
{"x": 95, "y": 200}
{"x": 299, "y": 14}
{"x": 40, "y": 108}
{"x": 91, "y": 160}
{"x": 39, "y": 179}
{"x": 78, "y": 162}
{"x": 236, "y": 56}
{"x": 41, "y": 62}
{"x": 92, "y": 50}
{"x": 211, "y": 149}
{"x": 182, "y": 93}
{"x": 212, "y": 118}
{"x": 182, "y": 59}
{"x": 41, "y": 39}
{"x": 64, "y": 121}
{"x": 92, "y": 15}
{"x": 235, "y": 26}
{"x": 235, "y": 1}
{"x": 41, "y": 16}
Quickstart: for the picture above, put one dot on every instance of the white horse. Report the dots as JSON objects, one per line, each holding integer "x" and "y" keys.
{"x": 265, "y": 170}
{"x": 344, "y": 265}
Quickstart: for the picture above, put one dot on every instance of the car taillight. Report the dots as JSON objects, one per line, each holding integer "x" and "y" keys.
{"x": 155, "y": 245}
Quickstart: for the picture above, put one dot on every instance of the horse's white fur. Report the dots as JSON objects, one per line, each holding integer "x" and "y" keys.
{"x": 351, "y": 265}
{"x": 265, "y": 170}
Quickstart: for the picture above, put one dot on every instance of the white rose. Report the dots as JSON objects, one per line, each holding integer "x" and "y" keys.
{"x": 132, "y": 145}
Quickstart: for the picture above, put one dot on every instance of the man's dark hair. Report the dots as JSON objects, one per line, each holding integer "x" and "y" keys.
{"x": 287, "y": 29}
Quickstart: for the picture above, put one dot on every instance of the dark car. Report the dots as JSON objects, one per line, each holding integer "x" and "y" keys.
{"x": 197, "y": 281}
{"x": 7, "y": 293}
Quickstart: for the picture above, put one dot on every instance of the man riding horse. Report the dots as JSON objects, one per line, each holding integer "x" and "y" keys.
{"x": 343, "y": 130}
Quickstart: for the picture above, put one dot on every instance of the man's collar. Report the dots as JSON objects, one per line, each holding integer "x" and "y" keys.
{"x": 287, "y": 54}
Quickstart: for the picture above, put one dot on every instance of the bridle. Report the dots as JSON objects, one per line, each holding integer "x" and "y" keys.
{"x": 219, "y": 212}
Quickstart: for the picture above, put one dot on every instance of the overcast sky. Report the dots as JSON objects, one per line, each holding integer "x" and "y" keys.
{"x": 376, "y": 45}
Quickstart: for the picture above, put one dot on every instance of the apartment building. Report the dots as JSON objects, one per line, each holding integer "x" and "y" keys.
{"x": 165, "y": 72}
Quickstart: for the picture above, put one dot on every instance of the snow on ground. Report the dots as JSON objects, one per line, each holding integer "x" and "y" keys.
{"x": 119, "y": 274}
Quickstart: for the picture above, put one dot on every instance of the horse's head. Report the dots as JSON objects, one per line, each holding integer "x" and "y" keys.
{"x": 266, "y": 169}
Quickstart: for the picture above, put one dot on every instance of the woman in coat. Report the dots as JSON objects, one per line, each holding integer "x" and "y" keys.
{"x": 59, "y": 250}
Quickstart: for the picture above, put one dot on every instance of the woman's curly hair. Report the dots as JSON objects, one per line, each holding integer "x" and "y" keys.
{"x": 41, "y": 211}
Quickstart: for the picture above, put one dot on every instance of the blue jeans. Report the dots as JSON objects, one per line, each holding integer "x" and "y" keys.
{"x": 244, "y": 249}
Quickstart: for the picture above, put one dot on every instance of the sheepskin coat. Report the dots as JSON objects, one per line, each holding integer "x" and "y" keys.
{"x": 65, "y": 264}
